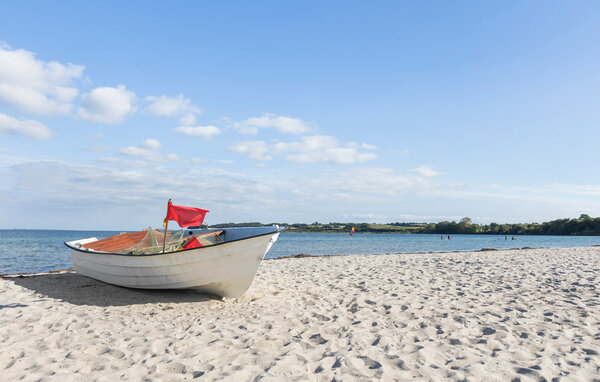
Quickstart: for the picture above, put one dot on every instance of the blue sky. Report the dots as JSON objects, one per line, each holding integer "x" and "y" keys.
{"x": 298, "y": 111}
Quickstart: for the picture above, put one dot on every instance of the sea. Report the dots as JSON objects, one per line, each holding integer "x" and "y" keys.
{"x": 32, "y": 251}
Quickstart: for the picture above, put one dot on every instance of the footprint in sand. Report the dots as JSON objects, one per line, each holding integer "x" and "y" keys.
{"x": 371, "y": 364}
{"x": 321, "y": 317}
{"x": 317, "y": 339}
{"x": 488, "y": 331}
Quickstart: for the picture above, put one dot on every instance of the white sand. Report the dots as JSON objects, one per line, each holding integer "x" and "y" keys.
{"x": 499, "y": 315}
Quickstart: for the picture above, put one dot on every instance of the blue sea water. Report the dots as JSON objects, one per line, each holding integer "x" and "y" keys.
{"x": 342, "y": 244}
{"x": 33, "y": 251}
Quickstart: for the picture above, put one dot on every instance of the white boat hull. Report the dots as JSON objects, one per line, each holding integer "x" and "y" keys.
{"x": 225, "y": 269}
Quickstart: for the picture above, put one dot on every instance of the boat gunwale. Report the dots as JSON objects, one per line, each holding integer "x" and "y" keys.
{"x": 278, "y": 230}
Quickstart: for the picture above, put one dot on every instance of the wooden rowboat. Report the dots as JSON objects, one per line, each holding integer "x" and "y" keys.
{"x": 225, "y": 268}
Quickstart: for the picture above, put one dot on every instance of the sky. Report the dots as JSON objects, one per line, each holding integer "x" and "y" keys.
{"x": 298, "y": 111}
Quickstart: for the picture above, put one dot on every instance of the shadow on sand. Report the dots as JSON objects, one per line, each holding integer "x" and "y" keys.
{"x": 81, "y": 290}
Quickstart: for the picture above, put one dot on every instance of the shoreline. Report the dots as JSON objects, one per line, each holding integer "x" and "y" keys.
{"x": 302, "y": 255}
{"x": 527, "y": 314}
{"x": 437, "y": 234}
{"x": 305, "y": 255}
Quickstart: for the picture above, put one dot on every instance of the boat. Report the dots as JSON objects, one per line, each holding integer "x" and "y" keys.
{"x": 222, "y": 261}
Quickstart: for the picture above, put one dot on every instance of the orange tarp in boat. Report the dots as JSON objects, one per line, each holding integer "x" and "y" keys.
{"x": 117, "y": 242}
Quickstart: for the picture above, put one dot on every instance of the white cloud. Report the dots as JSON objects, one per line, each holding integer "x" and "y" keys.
{"x": 374, "y": 193}
{"x": 72, "y": 190}
{"x": 35, "y": 86}
{"x": 367, "y": 217}
{"x": 426, "y": 171}
{"x": 321, "y": 148}
{"x": 254, "y": 149}
{"x": 174, "y": 107}
{"x": 107, "y": 105}
{"x": 246, "y": 130}
{"x": 311, "y": 149}
{"x": 152, "y": 144}
{"x": 148, "y": 150}
{"x": 271, "y": 121}
{"x": 365, "y": 146}
{"x": 377, "y": 182}
{"x": 199, "y": 131}
{"x": 553, "y": 193}
{"x": 562, "y": 188}
{"x": 31, "y": 129}
{"x": 404, "y": 217}
{"x": 188, "y": 119}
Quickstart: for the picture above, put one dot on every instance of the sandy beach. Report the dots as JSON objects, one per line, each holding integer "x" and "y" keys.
{"x": 526, "y": 315}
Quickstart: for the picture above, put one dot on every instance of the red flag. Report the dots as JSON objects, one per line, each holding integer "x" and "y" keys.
{"x": 185, "y": 216}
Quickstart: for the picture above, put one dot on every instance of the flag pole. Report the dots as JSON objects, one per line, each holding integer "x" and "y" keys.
{"x": 166, "y": 226}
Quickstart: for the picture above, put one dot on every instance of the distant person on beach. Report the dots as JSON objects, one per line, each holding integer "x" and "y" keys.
{"x": 505, "y": 236}
{"x": 514, "y": 238}
{"x": 448, "y": 237}
{"x": 442, "y": 237}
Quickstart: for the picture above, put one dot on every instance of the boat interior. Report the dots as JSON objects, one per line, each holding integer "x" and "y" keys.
{"x": 154, "y": 241}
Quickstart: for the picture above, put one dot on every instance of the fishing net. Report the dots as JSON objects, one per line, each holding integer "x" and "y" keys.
{"x": 153, "y": 242}
{"x": 209, "y": 240}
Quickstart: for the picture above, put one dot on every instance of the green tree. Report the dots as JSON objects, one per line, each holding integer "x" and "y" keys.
{"x": 464, "y": 225}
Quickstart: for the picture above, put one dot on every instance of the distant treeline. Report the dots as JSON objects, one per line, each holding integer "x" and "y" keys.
{"x": 584, "y": 225}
